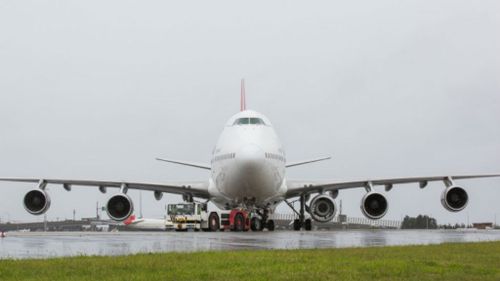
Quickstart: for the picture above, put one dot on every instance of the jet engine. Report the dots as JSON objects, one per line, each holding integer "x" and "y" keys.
{"x": 374, "y": 205}
{"x": 119, "y": 207}
{"x": 323, "y": 208}
{"x": 454, "y": 199}
{"x": 36, "y": 202}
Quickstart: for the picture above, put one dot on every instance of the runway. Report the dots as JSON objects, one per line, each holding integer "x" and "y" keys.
{"x": 62, "y": 244}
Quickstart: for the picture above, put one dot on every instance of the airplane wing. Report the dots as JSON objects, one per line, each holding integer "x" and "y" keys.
{"x": 184, "y": 163}
{"x": 195, "y": 189}
{"x": 298, "y": 188}
{"x": 294, "y": 164}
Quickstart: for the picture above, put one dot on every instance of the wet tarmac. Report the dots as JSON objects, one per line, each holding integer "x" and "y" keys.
{"x": 60, "y": 244}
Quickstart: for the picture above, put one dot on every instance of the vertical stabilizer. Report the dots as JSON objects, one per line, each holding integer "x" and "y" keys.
{"x": 243, "y": 102}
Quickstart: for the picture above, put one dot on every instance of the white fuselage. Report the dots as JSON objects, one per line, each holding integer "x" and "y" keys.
{"x": 248, "y": 164}
{"x": 146, "y": 224}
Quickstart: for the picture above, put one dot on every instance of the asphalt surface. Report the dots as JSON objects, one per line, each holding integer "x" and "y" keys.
{"x": 60, "y": 244}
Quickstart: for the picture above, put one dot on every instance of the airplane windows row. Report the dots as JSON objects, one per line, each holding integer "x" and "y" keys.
{"x": 224, "y": 157}
{"x": 249, "y": 121}
{"x": 275, "y": 157}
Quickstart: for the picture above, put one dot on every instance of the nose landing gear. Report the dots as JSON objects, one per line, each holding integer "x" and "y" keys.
{"x": 261, "y": 220}
{"x": 256, "y": 224}
{"x": 270, "y": 225}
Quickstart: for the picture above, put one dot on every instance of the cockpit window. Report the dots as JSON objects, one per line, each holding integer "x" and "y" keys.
{"x": 242, "y": 121}
{"x": 257, "y": 121}
{"x": 249, "y": 121}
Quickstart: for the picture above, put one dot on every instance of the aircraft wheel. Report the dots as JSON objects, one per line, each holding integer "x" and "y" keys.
{"x": 296, "y": 225}
{"x": 239, "y": 223}
{"x": 308, "y": 225}
{"x": 256, "y": 224}
{"x": 270, "y": 225}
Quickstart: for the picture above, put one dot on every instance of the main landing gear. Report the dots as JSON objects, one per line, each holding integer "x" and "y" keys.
{"x": 301, "y": 222}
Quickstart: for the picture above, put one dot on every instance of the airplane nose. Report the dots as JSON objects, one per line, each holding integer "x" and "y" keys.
{"x": 250, "y": 157}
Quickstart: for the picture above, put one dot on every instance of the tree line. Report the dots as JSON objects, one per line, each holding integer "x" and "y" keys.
{"x": 419, "y": 222}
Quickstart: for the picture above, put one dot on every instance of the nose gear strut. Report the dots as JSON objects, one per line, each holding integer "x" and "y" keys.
{"x": 261, "y": 220}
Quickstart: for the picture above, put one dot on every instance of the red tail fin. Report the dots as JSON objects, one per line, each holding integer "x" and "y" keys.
{"x": 130, "y": 220}
{"x": 243, "y": 96}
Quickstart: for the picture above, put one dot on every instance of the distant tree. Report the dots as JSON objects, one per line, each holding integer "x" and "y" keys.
{"x": 419, "y": 222}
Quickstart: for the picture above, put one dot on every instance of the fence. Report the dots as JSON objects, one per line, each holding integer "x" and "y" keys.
{"x": 350, "y": 220}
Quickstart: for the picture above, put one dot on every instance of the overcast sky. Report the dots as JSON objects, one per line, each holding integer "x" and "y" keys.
{"x": 97, "y": 89}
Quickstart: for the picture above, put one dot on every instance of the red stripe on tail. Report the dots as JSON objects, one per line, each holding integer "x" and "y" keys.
{"x": 130, "y": 220}
{"x": 243, "y": 102}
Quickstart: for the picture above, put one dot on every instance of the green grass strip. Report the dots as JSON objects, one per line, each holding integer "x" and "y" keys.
{"x": 472, "y": 261}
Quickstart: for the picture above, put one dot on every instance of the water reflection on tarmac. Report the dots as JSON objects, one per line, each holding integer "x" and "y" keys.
{"x": 57, "y": 244}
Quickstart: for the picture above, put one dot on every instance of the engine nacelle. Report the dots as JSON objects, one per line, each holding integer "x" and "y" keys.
{"x": 119, "y": 207}
{"x": 374, "y": 205}
{"x": 454, "y": 199}
{"x": 36, "y": 202}
{"x": 323, "y": 208}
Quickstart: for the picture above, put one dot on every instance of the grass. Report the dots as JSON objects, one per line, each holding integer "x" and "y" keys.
{"x": 474, "y": 261}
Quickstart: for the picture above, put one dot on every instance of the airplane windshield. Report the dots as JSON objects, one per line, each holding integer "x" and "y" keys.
{"x": 249, "y": 121}
{"x": 181, "y": 209}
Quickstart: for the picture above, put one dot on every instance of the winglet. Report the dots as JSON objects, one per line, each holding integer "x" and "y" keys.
{"x": 243, "y": 102}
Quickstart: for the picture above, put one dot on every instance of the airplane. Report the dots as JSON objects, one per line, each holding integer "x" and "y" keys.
{"x": 144, "y": 224}
{"x": 248, "y": 172}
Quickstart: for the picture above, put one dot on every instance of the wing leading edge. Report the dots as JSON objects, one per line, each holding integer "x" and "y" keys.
{"x": 297, "y": 188}
{"x": 299, "y": 163}
{"x": 195, "y": 189}
{"x": 185, "y": 163}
